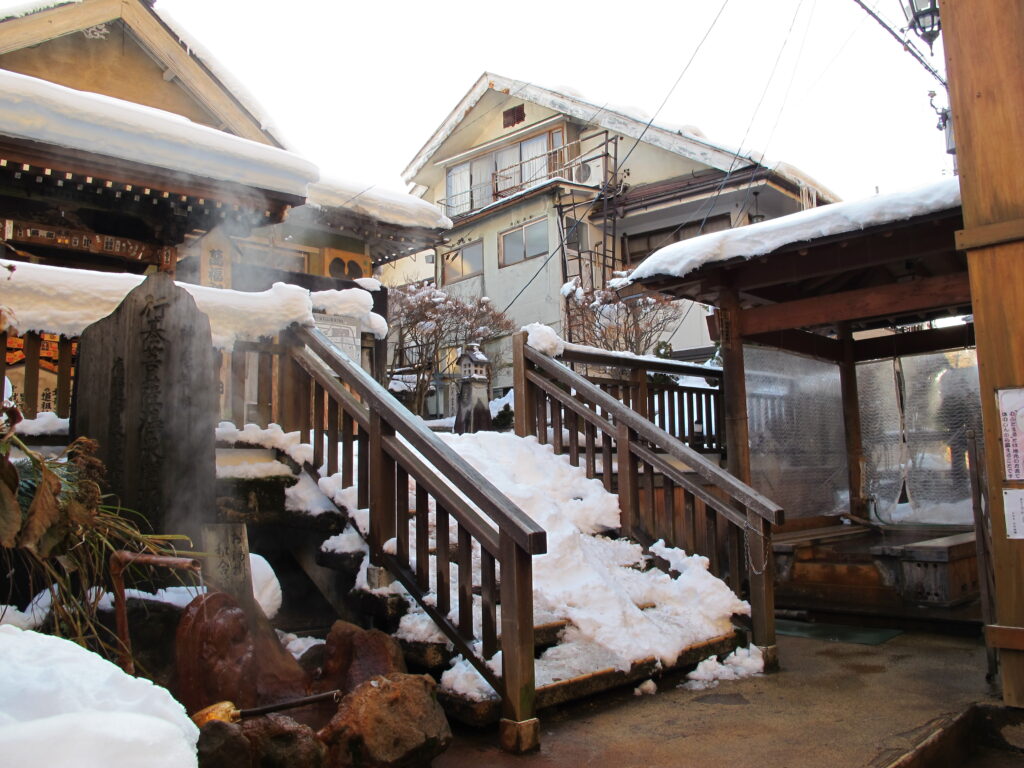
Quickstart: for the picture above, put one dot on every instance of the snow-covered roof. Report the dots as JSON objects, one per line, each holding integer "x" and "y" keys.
{"x": 17, "y": 10}
{"x": 679, "y": 259}
{"x": 232, "y": 84}
{"x": 682, "y": 141}
{"x": 42, "y": 111}
{"x": 384, "y": 205}
{"x": 195, "y": 49}
{"x": 67, "y": 301}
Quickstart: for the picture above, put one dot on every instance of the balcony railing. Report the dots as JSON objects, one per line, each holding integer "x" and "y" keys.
{"x": 586, "y": 161}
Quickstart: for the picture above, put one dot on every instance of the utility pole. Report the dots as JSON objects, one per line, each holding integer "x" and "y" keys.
{"x": 985, "y": 67}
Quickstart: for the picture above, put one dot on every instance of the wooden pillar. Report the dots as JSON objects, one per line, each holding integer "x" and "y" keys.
{"x": 382, "y": 489}
{"x": 851, "y": 423}
{"x": 985, "y": 62}
{"x": 526, "y": 404}
{"x": 734, "y": 386}
{"x": 519, "y": 729}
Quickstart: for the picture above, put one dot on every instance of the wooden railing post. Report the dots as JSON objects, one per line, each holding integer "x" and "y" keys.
{"x": 761, "y": 570}
{"x": 32, "y": 346}
{"x": 629, "y": 494}
{"x": 382, "y": 489}
{"x": 519, "y": 730}
{"x": 526, "y": 402}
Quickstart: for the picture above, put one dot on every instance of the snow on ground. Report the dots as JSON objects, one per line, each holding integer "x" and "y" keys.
{"x": 61, "y": 705}
{"x": 764, "y": 237}
{"x": 743, "y": 662}
{"x": 66, "y": 301}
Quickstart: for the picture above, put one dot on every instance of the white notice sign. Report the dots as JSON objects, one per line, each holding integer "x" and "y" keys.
{"x": 343, "y": 331}
{"x": 1013, "y": 507}
{"x": 1011, "y": 423}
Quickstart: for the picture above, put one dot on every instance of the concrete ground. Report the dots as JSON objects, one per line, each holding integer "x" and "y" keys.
{"x": 833, "y": 705}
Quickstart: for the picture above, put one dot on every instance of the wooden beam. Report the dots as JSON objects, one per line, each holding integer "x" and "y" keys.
{"x": 36, "y": 28}
{"x": 990, "y": 234}
{"x": 985, "y": 62}
{"x": 914, "y": 343}
{"x": 854, "y": 251}
{"x": 1005, "y": 638}
{"x": 802, "y": 342}
{"x": 883, "y": 301}
{"x": 735, "y": 388}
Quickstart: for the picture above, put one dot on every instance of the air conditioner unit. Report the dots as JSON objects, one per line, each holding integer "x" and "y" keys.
{"x": 589, "y": 171}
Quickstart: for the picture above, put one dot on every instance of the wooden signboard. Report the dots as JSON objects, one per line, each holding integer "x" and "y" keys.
{"x": 147, "y": 392}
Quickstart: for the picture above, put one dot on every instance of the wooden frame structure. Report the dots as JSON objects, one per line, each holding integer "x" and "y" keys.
{"x": 817, "y": 297}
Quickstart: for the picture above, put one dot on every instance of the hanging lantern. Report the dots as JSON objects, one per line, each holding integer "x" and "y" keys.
{"x": 923, "y": 18}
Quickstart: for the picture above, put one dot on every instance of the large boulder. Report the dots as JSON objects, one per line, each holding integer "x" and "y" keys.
{"x": 223, "y": 745}
{"x": 353, "y": 655}
{"x": 388, "y": 721}
{"x": 281, "y": 742}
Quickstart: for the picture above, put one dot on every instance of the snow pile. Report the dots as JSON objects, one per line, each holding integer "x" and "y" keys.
{"x": 62, "y": 705}
{"x": 265, "y": 588}
{"x": 741, "y": 663}
{"x": 382, "y": 205}
{"x": 253, "y": 470}
{"x": 67, "y": 301}
{"x": 764, "y": 237}
{"x": 42, "y": 111}
{"x": 32, "y": 6}
{"x": 289, "y": 443}
{"x": 544, "y": 339}
{"x": 296, "y": 645}
{"x": 646, "y": 688}
{"x": 349, "y": 301}
{"x": 618, "y": 612}
{"x": 45, "y": 423}
{"x": 305, "y": 496}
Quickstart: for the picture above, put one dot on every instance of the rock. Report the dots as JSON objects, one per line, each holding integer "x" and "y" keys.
{"x": 278, "y": 741}
{"x": 222, "y": 745}
{"x": 353, "y": 655}
{"x": 387, "y": 722}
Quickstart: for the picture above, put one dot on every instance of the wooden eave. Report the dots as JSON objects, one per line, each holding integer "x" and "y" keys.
{"x": 171, "y": 203}
{"x": 387, "y": 242}
{"x": 155, "y": 36}
{"x": 834, "y": 268}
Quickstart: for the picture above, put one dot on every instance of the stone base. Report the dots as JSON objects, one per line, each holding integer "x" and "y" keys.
{"x": 771, "y": 657}
{"x": 519, "y": 736}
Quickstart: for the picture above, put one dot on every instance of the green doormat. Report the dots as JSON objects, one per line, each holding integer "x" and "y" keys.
{"x": 836, "y": 633}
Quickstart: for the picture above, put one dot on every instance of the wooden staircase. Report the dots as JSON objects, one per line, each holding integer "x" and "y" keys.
{"x": 418, "y": 490}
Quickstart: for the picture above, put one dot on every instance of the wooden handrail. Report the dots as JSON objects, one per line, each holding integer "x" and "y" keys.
{"x": 477, "y": 488}
{"x": 751, "y": 499}
{"x": 573, "y": 354}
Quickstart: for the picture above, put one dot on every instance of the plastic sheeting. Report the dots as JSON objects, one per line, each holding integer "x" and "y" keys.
{"x": 797, "y": 443}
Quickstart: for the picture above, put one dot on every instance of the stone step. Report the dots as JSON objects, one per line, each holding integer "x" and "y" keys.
{"x": 482, "y": 713}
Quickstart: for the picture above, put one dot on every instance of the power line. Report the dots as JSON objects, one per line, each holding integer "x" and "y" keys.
{"x": 604, "y": 186}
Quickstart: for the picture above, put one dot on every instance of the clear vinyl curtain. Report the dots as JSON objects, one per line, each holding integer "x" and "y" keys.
{"x": 797, "y": 439}
{"x": 919, "y": 410}
{"x": 915, "y": 414}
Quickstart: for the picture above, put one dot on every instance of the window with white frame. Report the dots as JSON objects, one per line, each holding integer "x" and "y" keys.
{"x": 478, "y": 182}
{"x": 525, "y": 242}
{"x": 462, "y": 263}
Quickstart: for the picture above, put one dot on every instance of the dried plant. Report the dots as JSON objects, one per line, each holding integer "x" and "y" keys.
{"x": 57, "y": 526}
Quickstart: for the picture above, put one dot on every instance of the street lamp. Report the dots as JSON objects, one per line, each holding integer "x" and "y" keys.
{"x": 923, "y": 18}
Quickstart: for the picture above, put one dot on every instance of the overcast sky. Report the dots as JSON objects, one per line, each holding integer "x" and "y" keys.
{"x": 359, "y": 87}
